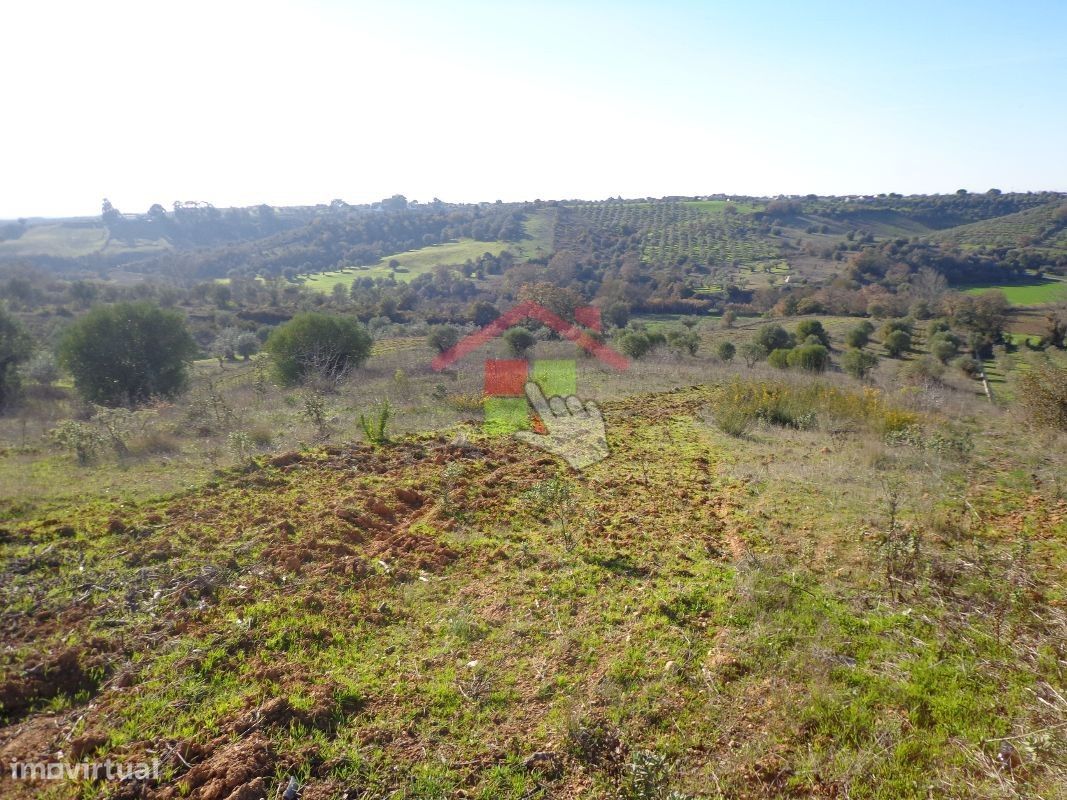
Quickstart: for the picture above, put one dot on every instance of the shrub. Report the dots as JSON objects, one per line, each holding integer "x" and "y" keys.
{"x": 1044, "y": 395}
{"x": 519, "y": 340}
{"x": 682, "y": 343}
{"x": 83, "y": 440}
{"x": 126, "y": 353}
{"x": 925, "y": 369}
{"x": 442, "y": 337}
{"x": 779, "y": 358}
{"x": 773, "y": 337}
{"x": 858, "y": 337}
{"x": 891, "y": 326}
{"x": 317, "y": 345}
{"x": 753, "y": 352}
{"x": 726, "y": 351}
{"x": 813, "y": 327}
{"x": 897, "y": 343}
{"x": 859, "y": 363}
{"x": 812, "y": 357}
{"x": 798, "y": 406}
{"x": 635, "y": 345}
{"x": 970, "y": 367}
{"x": 944, "y": 347}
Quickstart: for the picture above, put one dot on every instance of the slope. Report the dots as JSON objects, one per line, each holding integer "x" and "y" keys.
{"x": 859, "y": 608}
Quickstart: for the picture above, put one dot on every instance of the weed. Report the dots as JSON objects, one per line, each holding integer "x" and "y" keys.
{"x": 375, "y": 429}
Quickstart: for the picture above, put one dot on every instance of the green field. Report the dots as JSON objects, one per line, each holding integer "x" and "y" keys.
{"x": 61, "y": 241}
{"x": 539, "y": 231}
{"x": 1034, "y": 293}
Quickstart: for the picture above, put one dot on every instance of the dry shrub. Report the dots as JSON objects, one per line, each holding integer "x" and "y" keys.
{"x": 153, "y": 443}
{"x": 804, "y": 406}
{"x": 1043, "y": 394}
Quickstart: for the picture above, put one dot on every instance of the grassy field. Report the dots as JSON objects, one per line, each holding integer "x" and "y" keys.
{"x": 58, "y": 240}
{"x": 421, "y": 621}
{"x": 539, "y": 231}
{"x": 861, "y": 593}
{"x": 1035, "y": 293}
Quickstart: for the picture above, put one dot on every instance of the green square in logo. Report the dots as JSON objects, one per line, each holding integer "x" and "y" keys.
{"x": 555, "y": 376}
{"x": 505, "y": 415}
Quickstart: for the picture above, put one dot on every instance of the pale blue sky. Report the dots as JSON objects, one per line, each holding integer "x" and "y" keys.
{"x": 243, "y": 102}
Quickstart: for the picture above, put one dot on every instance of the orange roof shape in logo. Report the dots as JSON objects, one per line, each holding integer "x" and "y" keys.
{"x": 587, "y": 315}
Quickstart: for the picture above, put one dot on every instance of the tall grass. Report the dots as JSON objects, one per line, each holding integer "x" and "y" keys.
{"x": 741, "y": 404}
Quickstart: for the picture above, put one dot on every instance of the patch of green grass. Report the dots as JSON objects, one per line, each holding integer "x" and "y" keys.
{"x": 1034, "y": 293}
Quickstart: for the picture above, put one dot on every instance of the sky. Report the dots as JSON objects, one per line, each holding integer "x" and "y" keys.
{"x": 291, "y": 103}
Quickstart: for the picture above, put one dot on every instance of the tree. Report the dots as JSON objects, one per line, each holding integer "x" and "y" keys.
{"x": 726, "y": 351}
{"x": 728, "y": 318}
{"x": 752, "y": 352}
{"x": 897, "y": 343}
{"x": 812, "y": 327}
{"x": 43, "y": 369}
{"x": 483, "y": 313}
{"x": 15, "y": 348}
{"x": 127, "y": 353}
{"x": 519, "y": 340}
{"x": 317, "y": 345}
{"x": 859, "y": 363}
{"x": 442, "y": 337}
{"x": 225, "y": 345}
{"x": 683, "y": 342}
{"x": 247, "y": 344}
{"x": 773, "y": 337}
{"x": 617, "y": 314}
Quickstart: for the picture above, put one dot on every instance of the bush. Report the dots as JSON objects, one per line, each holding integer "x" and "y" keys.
{"x": 779, "y": 358}
{"x": 897, "y": 343}
{"x": 925, "y": 369}
{"x": 726, "y": 351}
{"x": 890, "y": 327}
{"x": 812, "y": 327}
{"x": 943, "y": 347}
{"x": 753, "y": 352}
{"x": 798, "y": 406}
{"x": 442, "y": 337}
{"x": 127, "y": 353}
{"x": 773, "y": 337}
{"x": 519, "y": 340}
{"x": 635, "y": 345}
{"x": 1044, "y": 395}
{"x": 970, "y": 367}
{"x": 859, "y": 363}
{"x": 811, "y": 357}
{"x": 685, "y": 342}
{"x": 317, "y": 345}
{"x": 858, "y": 337}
